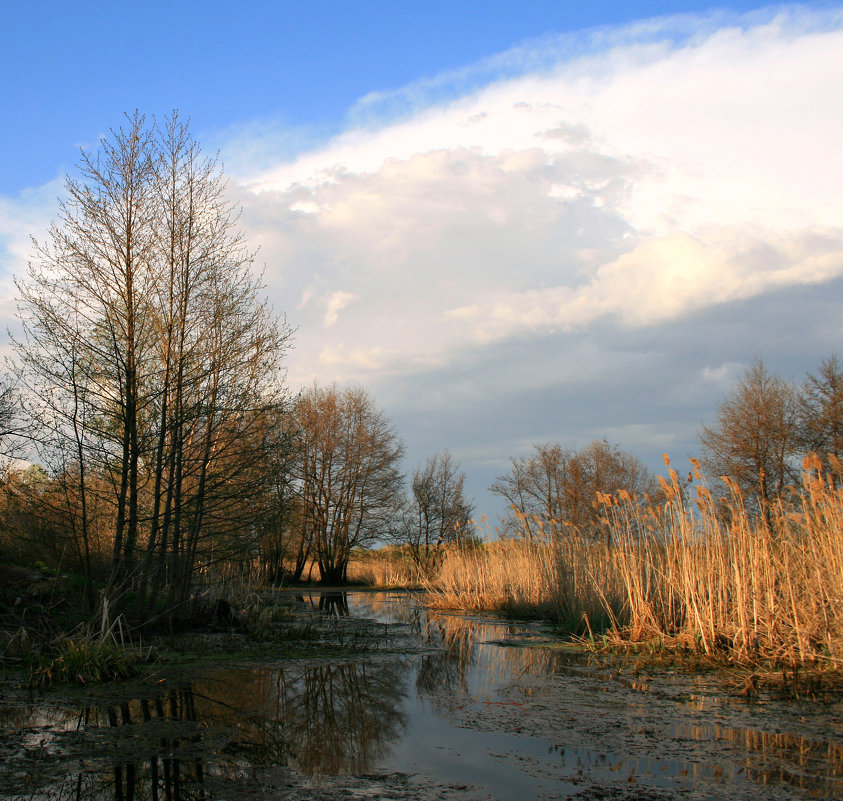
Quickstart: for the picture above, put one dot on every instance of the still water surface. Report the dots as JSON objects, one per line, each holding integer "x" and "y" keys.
{"x": 462, "y": 700}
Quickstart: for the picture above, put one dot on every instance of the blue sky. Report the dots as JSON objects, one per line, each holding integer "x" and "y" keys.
{"x": 513, "y": 223}
{"x": 72, "y": 69}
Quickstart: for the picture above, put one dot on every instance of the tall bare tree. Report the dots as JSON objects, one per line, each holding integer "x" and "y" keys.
{"x": 347, "y": 472}
{"x": 151, "y": 362}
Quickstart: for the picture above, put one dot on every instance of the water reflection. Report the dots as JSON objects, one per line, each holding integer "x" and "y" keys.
{"x": 342, "y": 717}
{"x": 326, "y": 717}
{"x": 777, "y": 758}
{"x": 466, "y": 655}
{"x": 470, "y": 662}
{"x": 140, "y": 748}
{"x": 333, "y": 603}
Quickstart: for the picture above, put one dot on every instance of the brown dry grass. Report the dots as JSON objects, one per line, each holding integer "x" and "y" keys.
{"x": 387, "y": 567}
{"x": 699, "y": 572}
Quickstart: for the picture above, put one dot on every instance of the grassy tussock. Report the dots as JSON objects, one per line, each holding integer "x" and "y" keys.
{"x": 86, "y": 660}
{"x": 697, "y": 572}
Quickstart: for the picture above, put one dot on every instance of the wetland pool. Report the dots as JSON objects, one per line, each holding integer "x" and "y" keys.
{"x": 402, "y": 703}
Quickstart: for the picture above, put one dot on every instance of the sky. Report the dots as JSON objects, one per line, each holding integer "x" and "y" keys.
{"x": 511, "y": 223}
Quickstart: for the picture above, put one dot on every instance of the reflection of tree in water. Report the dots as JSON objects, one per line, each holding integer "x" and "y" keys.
{"x": 342, "y": 718}
{"x": 459, "y": 642}
{"x": 326, "y": 719}
{"x": 174, "y": 768}
{"x": 469, "y": 656}
{"x": 446, "y": 669}
{"x": 322, "y": 719}
{"x": 155, "y": 761}
{"x": 181, "y": 744}
{"x": 334, "y": 603}
{"x": 390, "y": 607}
{"x": 776, "y": 758}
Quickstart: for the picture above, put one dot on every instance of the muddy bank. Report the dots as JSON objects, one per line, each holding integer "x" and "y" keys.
{"x": 387, "y": 701}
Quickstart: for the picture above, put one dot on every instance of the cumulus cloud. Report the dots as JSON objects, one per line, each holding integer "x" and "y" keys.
{"x": 366, "y": 358}
{"x": 662, "y": 278}
{"x": 22, "y": 217}
{"x": 664, "y": 173}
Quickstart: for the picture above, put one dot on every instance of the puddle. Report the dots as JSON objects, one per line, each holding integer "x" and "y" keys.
{"x": 442, "y": 711}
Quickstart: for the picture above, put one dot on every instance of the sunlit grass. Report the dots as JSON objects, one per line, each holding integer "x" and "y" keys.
{"x": 700, "y": 572}
{"x": 384, "y": 568}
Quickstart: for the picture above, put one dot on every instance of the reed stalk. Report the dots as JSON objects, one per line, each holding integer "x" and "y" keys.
{"x": 691, "y": 570}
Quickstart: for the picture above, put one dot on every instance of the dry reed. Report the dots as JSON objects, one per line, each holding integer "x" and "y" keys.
{"x": 698, "y": 572}
{"x": 528, "y": 578}
{"x": 759, "y": 586}
{"x": 388, "y": 567}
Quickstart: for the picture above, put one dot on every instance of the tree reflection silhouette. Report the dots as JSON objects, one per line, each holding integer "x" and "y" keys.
{"x": 325, "y": 719}
{"x": 342, "y": 718}
{"x": 334, "y": 603}
{"x": 446, "y": 669}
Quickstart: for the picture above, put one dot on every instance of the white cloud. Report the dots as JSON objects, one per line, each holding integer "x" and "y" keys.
{"x": 662, "y": 278}
{"x": 366, "y": 358}
{"x": 663, "y": 174}
{"x": 306, "y": 295}
{"x": 21, "y": 218}
{"x": 334, "y": 304}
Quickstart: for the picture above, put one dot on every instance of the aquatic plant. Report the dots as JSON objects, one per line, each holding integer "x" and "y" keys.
{"x": 713, "y": 574}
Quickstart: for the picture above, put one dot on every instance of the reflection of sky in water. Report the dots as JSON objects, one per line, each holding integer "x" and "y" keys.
{"x": 397, "y": 712}
{"x": 471, "y": 667}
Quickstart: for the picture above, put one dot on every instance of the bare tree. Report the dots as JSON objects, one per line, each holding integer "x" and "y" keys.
{"x": 821, "y": 412}
{"x": 12, "y": 424}
{"x": 754, "y": 441}
{"x": 535, "y": 488}
{"x": 347, "y": 472}
{"x": 84, "y": 335}
{"x": 555, "y": 486}
{"x": 283, "y": 550}
{"x": 602, "y": 468}
{"x": 437, "y": 511}
{"x": 151, "y": 364}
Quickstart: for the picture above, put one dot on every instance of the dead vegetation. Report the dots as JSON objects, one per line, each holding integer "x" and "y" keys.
{"x": 707, "y": 574}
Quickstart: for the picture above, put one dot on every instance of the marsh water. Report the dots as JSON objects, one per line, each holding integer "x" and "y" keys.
{"x": 399, "y": 702}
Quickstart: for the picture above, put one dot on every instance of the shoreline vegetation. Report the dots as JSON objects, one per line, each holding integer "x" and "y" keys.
{"x": 691, "y": 573}
{"x": 688, "y": 577}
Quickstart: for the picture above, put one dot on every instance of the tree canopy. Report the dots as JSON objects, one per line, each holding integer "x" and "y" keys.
{"x": 556, "y": 485}
{"x": 754, "y": 439}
